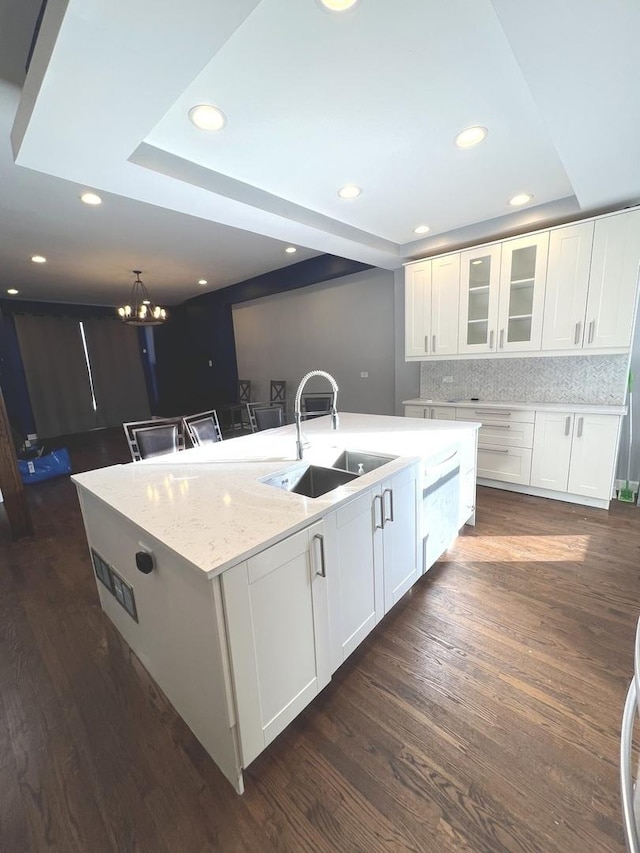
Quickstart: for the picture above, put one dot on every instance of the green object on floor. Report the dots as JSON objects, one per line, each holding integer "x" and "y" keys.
{"x": 626, "y": 494}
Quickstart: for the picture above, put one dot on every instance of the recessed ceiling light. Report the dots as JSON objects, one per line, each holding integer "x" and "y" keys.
{"x": 12, "y": 291}
{"x": 338, "y": 5}
{"x": 90, "y": 198}
{"x": 38, "y": 259}
{"x": 475, "y": 263}
{"x": 207, "y": 117}
{"x": 290, "y": 250}
{"x": 349, "y": 191}
{"x": 471, "y": 136}
{"x": 521, "y": 198}
{"x": 202, "y": 281}
{"x": 421, "y": 229}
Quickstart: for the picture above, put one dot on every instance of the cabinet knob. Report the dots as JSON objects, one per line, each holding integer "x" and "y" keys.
{"x": 144, "y": 562}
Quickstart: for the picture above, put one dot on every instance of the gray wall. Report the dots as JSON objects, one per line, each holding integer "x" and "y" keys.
{"x": 345, "y": 326}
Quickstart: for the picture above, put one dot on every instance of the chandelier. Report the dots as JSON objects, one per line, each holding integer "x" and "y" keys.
{"x": 141, "y": 311}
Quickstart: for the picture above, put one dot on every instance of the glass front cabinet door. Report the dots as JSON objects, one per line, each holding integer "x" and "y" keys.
{"x": 479, "y": 287}
{"x": 523, "y": 272}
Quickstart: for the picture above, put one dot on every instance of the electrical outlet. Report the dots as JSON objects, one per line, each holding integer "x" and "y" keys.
{"x": 447, "y": 380}
{"x": 364, "y": 375}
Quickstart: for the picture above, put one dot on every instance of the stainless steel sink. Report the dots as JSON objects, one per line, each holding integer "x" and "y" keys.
{"x": 312, "y": 481}
{"x": 361, "y": 462}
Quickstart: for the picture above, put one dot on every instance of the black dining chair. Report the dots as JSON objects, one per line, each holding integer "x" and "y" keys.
{"x": 267, "y": 417}
{"x": 203, "y": 428}
{"x": 315, "y": 405}
{"x": 155, "y": 437}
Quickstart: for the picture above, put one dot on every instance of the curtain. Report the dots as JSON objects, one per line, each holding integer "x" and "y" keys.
{"x": 57, "y": 376}
{"x": 116, "y": 369}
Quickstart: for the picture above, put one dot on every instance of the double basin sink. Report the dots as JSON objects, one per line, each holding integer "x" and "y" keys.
{"x": 313, "y": 481}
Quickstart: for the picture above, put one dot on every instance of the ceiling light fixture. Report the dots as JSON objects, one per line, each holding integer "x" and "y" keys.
{"x": 202, "y": 281}
{"x": 290, "y": 250}
{"x": 471, "y": 136}
{"x": 92, "y": 199}
{"x": 38, "y": 259}
{"x": 338, "y": 5}
{"x": 207, "y": 117}
{"x": 521, "y": 198}
{"x": 12, "y": 291}
{"x": 349, "y": 191}
{"x": 141, "y": 311}
{"x": 421, "y": 229}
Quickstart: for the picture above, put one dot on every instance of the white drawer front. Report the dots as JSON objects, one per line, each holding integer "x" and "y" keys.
{"x": 487, "y": 413}
{"x": 510, "y": 464}
{"x": 501, "y": 434}
{"x": 441, "y": 413}
{"x": 415, "y": 412}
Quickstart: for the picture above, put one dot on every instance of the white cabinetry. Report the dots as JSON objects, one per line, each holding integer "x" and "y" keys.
{"x": 567, "y": 285}
{"x": 505, "y": 440}
{"x": 355, "y": 577}
{"x": 575, "y": 453}
{"x": 613, "y": 281}
{"x": 396, "y": 534}
{"x": 278, "y": 634}
{"x": 416, "y": 412}
{"x": 431, "y": 307}
{"x": 479, "y": 292}
{"x": 523, "y": 270}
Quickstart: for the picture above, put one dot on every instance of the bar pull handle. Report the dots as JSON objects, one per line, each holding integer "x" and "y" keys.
{"x": 375, "y": 518}
{"x": 497, "y": 412}
{"x": 390, "y": 493}
{"x": 426, "y": 343}
{"x": 323, "y": 566}
{"x": 576, "y": 337}
{"x": 501, "y": 338}
{"x": 580, "y": 425}
{"x": 491, "y": 339}
{"x": 499, "y": 426}
{"x": 567, "y": 425}
{"x": 433, "y": 344}
{"x": 492, "y": 450}
{"x": 592, "y": 328}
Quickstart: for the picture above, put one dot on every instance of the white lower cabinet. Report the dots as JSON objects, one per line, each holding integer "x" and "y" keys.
{"x": 575, "y": 453}
{"x": 396, "y": 534}
{"x": 509, "y": 464}
{"x": 276, "y": 607}
{"x": 356, "y": 598}
{"x": 415, "y": 412}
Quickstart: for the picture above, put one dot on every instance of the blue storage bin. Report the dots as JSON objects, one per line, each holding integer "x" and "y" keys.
{"x": 45, "y": 467}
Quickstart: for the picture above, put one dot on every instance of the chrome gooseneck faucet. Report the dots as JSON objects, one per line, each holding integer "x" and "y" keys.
{"x": 298, "y": 404}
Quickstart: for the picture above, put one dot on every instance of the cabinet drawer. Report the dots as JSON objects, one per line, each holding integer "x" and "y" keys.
{"x": 441, "y": 413}
{"x": 500, "y": 434}
{"x": 483, "y": 413}
{"x": 415, "y": 412}
{"x": 508, "y": 464}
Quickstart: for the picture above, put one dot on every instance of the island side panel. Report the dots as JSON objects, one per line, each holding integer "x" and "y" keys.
{"x": 179, "y": 636}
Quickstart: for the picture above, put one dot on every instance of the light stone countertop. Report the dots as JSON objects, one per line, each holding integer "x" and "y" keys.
{"x": 579, "y": 408}
{"x": 208, "y": 505}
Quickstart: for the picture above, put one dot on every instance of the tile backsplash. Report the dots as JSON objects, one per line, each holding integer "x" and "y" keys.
{"x": 575, "y": 379}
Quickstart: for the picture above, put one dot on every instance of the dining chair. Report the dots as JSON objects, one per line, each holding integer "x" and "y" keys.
{"x": 203, "y": 428}
{"x": 315, "y": 405}
{"x": 278, "y": 393}
{"x": 268, "y": 417}
{"x": 155, "y": 437}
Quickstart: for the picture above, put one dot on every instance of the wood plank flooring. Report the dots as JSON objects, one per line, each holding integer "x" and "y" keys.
{"x": 483, "y": 714}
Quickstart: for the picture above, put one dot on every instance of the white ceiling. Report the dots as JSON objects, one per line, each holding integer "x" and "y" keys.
{"x": 313, "y": 100}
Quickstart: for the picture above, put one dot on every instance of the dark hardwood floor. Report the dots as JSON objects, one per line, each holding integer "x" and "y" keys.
{"x": 483, "y": 714}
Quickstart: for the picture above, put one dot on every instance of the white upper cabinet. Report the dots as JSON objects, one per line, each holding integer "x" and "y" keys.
{"x": 431, "y": 307}
{"x": 479, "y": 287}
{"x": 445, "y": 286}
{"x": 613, "y": 281}
{"x": 417, "y": 318}
{"x": 523, "y": 271}
{"x": 567, "y": 286}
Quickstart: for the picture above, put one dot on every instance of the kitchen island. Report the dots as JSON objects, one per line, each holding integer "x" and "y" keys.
{"x": 241, "y": 597}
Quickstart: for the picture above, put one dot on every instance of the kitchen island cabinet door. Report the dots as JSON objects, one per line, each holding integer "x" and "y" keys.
{"x": 355, "y": 578}
{"x": 396, "y": 540}
{"x": 278, "y": 630}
